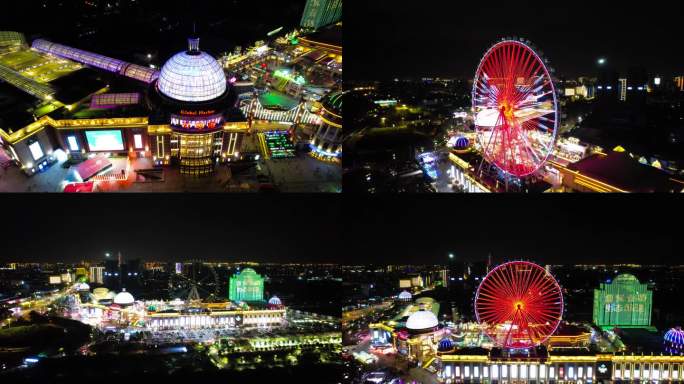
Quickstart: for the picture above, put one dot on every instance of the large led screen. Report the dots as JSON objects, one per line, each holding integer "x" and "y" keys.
{"x": 105, "y": 141}
{"x": 36, "y": 151}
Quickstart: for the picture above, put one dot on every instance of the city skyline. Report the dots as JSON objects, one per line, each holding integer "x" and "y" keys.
{"x": 448, "y": 39}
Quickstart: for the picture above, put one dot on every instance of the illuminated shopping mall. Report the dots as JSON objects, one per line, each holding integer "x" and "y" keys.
{"x": 194, "y": 112}
{"x": 104, "y": 308}
{"x": 531, "y": 342}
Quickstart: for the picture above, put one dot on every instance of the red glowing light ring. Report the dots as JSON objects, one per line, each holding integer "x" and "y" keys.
{"x": 515, "y": 153}
{"x": 536, "y": 319}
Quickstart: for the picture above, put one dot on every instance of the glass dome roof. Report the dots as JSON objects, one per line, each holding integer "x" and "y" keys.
{"x": 422, "y": 320}
{"x": 123, "y": 298}
{"x": 192, "y": 76}
{"x": 275, "y": 301}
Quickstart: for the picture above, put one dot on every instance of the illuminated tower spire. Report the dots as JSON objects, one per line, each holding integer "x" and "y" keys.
{"x": 193, "y": 41}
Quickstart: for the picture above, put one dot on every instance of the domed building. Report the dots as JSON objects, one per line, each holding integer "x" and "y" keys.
{"x": 445, "y": 345}
{"x": 124, "y": 298}
{"x": 103, "y": 296}
{"x": 405, "y": 296}
{"x": 193, "y": 76}
{"x": 101, "y": 293}
{"x": 275, "y": 303}
{"x": 674, "y": 340}
{"x": 82, "y": 287}
{"x": 422, "y": 322}
{"x": 193, "y": 95}
{"x": 326, "y": 143}
{"x": 459, "y": 143}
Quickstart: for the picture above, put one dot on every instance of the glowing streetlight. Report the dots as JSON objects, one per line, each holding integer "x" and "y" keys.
{"x": 601, "y": 61}
{"x": 451, "y": 255}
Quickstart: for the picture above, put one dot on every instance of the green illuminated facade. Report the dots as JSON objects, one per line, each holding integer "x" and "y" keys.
{"x": 246, "y": 286}
{"x": 623, "y": 303}
{"x": 319, "y": 13}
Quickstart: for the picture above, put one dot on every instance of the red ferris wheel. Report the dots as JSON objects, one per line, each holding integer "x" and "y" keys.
{"x": 516, "y": 108}
{"x": 519, "y": 304}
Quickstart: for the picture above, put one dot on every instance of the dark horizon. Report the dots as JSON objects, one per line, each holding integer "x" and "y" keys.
{"x": 423, "y": 230}
{"x": 171, "y": 227}
{"x": 447, "y": 39}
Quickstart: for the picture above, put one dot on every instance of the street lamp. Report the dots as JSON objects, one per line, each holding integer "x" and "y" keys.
{"x": 601, "y": 61}
{"x": 451, "y": 255}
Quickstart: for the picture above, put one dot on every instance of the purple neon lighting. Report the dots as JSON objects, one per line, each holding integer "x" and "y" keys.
{"x": 675, "y": 336}
{"x": 112, "y": 100}
{"x": 133, "y": 71}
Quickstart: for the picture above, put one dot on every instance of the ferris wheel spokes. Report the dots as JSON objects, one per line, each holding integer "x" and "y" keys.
{"x": 515, "y": 106}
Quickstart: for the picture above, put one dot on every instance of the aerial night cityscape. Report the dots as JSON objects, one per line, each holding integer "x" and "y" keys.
{"x": 583, "y": 302}
{"x": 157, "y": 96}
{"x": 180, "y": 200}
{"x": 233, "y": 298}
{"x": 524, "y": 96}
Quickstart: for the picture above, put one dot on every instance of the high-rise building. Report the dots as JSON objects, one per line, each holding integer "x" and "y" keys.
{"x": 624, "y": 302}
{"x": 623, "y": 89}
{"x": 96, "y": 275}
{"x": 679, "y": 83}
{"x": 246, "y": 286}
{"x": 319, "y": 13}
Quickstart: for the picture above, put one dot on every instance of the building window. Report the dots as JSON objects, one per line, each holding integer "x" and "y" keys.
{"x": 137, "y": 139}
{"x": 73, "y": 143}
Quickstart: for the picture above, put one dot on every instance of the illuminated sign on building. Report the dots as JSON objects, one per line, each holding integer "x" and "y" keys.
{"x": 246, "y": 286}
{"x": 197, "y": 113}
{"x": 199, "y": 123}
{"x": 625, "y": 302}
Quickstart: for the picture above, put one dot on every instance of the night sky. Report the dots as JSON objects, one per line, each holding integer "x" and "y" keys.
{"x": 346, "y": 229}
{"x": 169, "y": 227}
{"x": 386, "y": 38}
{"x": 558, "y": 229}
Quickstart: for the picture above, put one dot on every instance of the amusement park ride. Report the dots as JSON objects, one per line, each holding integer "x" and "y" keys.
{"x": 519, "y": 305}
{"x": 194, "y": 282}
{"x": 516, "y": 109}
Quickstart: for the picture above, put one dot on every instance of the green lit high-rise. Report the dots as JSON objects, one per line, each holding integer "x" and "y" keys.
{"x": 319, "y": 13}
{"x": 246, "y": 286}
{"x": 625, "y": 303}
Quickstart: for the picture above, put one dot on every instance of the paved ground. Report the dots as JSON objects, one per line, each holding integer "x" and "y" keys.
{"x": 13, "y": 179}
{"x": 303, "y": 174}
